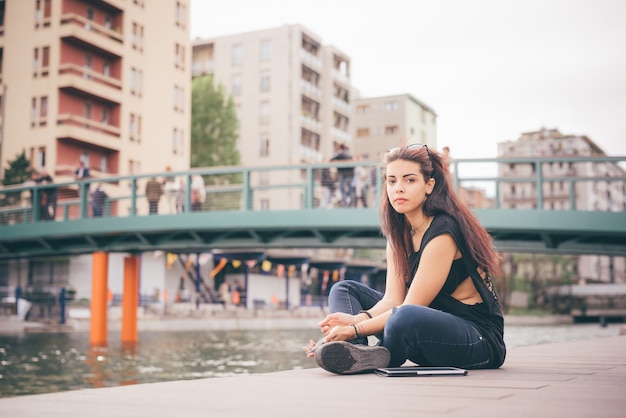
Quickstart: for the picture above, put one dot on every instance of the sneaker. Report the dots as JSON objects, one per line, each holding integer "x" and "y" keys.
{"x": 341, "y": 357}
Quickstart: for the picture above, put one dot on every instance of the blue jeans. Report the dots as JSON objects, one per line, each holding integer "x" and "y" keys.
{"x": 423, "y": 335}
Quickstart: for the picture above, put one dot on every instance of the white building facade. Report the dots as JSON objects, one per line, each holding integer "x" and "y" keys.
{"x": 595, "y": 195}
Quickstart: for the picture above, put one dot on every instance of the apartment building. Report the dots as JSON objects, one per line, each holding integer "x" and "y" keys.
{"x": 380, "y": 123}
{"x": 292, "y": 97}
{"x": 105, "y": 82}
{"x": 605, "y": 192}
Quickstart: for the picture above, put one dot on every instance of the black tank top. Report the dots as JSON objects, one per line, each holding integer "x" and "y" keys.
{"x": 487, "y": 315}
{"x": 458, "y": 273}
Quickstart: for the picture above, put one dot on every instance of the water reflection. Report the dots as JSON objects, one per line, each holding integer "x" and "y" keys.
{"x": 42, "y": 363}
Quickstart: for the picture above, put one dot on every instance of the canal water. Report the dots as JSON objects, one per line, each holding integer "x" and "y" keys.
{"x": 35, "y": 363}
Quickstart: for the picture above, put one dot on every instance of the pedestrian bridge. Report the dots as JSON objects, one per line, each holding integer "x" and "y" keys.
{"x": 280, "y": 207}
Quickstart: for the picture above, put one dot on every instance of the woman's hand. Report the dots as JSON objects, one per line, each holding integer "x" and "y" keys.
{"x": 310, "y": 350}
{"x": 336, "y": 319}
{"x": 340, "y": 333}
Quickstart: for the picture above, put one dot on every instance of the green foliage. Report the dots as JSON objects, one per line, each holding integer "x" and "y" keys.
{"x": 213, "y": 125}
{"x": 18, "y": 171}
{"x": 214, "y": 132}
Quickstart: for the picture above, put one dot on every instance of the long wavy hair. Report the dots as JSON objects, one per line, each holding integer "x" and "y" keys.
{"x": 443, "y": 199}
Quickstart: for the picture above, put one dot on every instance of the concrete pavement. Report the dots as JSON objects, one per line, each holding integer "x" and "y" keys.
{"x": 575, "y": 379}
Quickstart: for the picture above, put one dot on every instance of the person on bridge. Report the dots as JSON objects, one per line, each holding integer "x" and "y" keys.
{"x": 154, "y": 191}
{"x": 440, "y": 307}
{"x": 345, "y": 175}
{"x": 98, "y": 201}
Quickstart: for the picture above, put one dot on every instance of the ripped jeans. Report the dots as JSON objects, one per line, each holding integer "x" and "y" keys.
{"x": 423, "y": 335}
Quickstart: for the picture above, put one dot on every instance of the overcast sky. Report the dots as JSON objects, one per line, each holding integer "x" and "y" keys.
{"x": 491, "y": 69}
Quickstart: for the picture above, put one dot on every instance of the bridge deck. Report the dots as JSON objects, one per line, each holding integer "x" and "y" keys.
{"x": 233, "y": 216}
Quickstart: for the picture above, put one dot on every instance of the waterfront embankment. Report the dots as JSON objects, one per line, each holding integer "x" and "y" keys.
{"x": 574, "y": 379}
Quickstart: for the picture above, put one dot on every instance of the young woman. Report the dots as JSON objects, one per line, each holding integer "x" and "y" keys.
{"x": 439, "y": 307}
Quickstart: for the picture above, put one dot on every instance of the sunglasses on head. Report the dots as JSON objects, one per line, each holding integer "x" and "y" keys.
{"x": 410, "y": 146}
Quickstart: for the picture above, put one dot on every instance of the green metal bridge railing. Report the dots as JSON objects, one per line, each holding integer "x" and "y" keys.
{"x": 279, "y": 206}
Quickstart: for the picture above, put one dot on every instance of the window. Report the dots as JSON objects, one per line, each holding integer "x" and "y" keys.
{"x": 237, "y": 51}
{"x": 106, "y": 69}
{"x": 43, "y": 107}
{"x": 236, "y": 88}
{"x": 179, "y": 56}
{"x": 131, "y": 127}
{"x": 175, "y": 140}
{"x": 47, "y": 11}
{"x": 45, "y": 60}
{"x": 103, "y": 164}
{"x": 391, "y": 106}
{"x": 138, "y": 128}
{"x": 106, "y": 114}
{"x": 107, "y": 21}
{"x": 88, "y": 66}
{"x": 265, "y": 81}
{"x": 265, "y": 145}
{"x": 84, "y": 158}
{"x": 36, "y": 61}
{"x": 265, "y": 204}
{"x": 181, "y": 14}
{"x": 136, "y": 77}
{"x": 264, "y": 178}
{"x": 264, "y": 113}
{"x": 136, "y": 36}
{"x": 33, "y": 111}
{"x": 179, "y": 98}
{"x": 362, "y": 132}
{"x": 266, "y": 51}
{"x": 362, "y": 109}
{"x": 391, "y": 130}
{"x": 87, "y": 110}
{"x": 38, "y": 11}
{"x": 41, "y": 157}
{"x": 90, "y": 16}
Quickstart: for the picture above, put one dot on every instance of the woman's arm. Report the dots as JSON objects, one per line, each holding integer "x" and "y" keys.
{"x": 337, "y": 326}
{"x": 433, "y": 270}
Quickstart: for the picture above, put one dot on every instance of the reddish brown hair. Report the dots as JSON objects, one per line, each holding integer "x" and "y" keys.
{"x": 443, "y": 199}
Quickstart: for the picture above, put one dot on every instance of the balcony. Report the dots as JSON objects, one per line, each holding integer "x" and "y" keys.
{"x": 76, "y": 78}
{"x": 311, "y": 60}
{"x": 202, "y": 68}
{"x": 341, "y": 106}
{"x": 88, "y": 131}
{"x": 84, "y": 31}
{"x": 341, "y": 136}
{"x": 116, "y": 4}
{"x": 341, "y": 78}
{"x": 311, "y": 124}
{"x": 311, "y": 90}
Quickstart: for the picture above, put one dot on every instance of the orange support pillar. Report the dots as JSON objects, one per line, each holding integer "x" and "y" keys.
{"x": 130, "y": 299}
{"x": 99, "y": 277}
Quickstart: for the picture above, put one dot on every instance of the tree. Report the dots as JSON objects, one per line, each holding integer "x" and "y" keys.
{"x": 214, "y": 133}
{"x": 19, "y": 170}
{"x": 213, "y": 125}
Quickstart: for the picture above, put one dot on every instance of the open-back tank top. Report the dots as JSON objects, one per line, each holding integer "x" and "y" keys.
{"x": 487, "y": 315}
